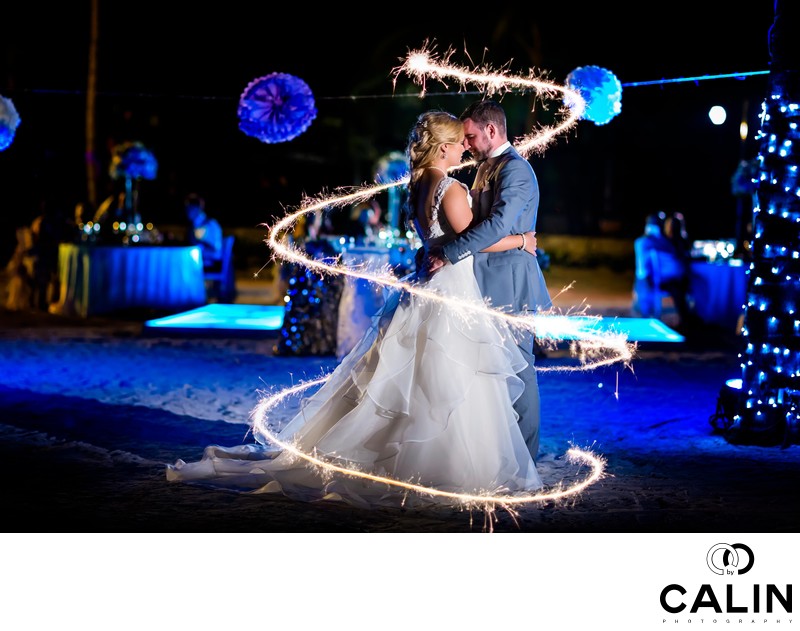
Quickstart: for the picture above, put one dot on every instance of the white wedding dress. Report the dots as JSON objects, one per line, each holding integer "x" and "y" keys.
{"x": 425, "y": 397}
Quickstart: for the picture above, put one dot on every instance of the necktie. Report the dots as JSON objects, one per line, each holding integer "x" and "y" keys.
{"x": 484, "y": 169}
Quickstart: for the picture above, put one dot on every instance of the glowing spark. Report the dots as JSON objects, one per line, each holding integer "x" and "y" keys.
{"x": 485, "y": 499}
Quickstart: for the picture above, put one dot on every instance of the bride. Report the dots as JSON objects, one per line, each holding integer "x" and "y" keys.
{"x": 426, "y": 395}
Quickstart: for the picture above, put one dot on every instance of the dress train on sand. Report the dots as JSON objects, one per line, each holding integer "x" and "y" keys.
{"x": 425, "y": 397}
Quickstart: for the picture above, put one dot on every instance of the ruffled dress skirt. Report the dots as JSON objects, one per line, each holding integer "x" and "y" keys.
{"x": 424, "y": 399}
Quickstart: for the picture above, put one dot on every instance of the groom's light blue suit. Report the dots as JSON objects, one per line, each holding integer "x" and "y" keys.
{"x": 505, "y": 200}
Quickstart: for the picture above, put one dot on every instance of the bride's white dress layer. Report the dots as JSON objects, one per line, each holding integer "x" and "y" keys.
{"x": 425, "y": 397}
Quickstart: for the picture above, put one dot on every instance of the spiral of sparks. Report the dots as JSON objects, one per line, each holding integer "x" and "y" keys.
{"x": 487, "y": 500}
{"x": 593, "y": 349}
{"x": 423, "y": 63}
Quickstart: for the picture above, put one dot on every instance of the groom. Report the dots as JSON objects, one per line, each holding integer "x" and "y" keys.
{"x": 505, "y": 199}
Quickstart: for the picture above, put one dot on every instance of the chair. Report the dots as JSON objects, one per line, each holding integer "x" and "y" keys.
{"x": 655, "y": 271}
{"x": 221, "y": 279}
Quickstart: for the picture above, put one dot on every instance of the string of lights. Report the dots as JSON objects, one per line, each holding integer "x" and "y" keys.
{"x": 767, "y": 406}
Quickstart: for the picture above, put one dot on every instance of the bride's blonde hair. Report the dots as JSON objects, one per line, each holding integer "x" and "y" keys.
{"x": 432, "y": 129}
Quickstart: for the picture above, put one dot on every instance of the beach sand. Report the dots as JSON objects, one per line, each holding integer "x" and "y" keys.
{"x": 93, "y": 410}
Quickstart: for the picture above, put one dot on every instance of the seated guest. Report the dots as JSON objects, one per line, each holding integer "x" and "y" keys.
{"x": 660, "y": 267}
{"x": 675, "y": 230}
{"x": 203, "y": 231}
{"x": 49, "y": 229}
{"x": 20, "y": 272}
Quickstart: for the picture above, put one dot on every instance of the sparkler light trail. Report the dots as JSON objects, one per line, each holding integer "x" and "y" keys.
{"x": 487, "y": 500}
{"x": 422, "y": 63}
{"x": 593, "y": 349}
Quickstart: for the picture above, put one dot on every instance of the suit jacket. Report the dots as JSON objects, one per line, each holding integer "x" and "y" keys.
{"x": 504, "y": 202}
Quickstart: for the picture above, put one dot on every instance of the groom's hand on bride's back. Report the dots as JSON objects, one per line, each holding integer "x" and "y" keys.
{"x": 428, "y": 261}
{"x": 435, "y": 259}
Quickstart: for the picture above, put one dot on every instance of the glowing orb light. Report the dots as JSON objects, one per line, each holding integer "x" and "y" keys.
{"x": 717, "y": 114}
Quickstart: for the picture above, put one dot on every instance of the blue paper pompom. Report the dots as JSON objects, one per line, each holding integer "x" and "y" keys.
{"x": 132, "y": 160}
{"x": 276, "y": 108}
{"x": 601, "y": 90}
{"x": 9, "y": 120}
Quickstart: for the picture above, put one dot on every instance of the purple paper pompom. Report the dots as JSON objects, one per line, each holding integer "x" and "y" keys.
{"x": 601, "y": 90}
{"x": 276, "y": 108}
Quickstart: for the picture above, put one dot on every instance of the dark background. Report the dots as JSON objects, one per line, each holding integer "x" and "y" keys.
{"x": 170, "y": 75}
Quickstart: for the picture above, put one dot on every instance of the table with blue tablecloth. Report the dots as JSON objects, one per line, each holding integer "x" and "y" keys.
{"x": 361, "y": 299}
{"x": 718, "y": 290}
{"x": 98, "y": 279}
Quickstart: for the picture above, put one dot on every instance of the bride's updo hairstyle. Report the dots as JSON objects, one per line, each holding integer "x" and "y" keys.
{"x": 429, "y": 133}
{"x": 431, "y": 130}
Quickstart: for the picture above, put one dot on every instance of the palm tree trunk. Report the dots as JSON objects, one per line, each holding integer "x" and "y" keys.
{"x": 91, "y": 90}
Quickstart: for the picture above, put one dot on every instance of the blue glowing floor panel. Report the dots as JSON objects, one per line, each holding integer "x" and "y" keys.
{"x": 265, "y": 319}
{"x": 221, "y": 318}
{"x": 635, "y": 329}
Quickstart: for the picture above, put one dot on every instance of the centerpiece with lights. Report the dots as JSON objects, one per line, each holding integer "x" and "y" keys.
{"x": 131, "y": 162}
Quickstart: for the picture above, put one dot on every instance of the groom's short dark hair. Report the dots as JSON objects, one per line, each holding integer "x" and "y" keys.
{"x": 485, "y": 112}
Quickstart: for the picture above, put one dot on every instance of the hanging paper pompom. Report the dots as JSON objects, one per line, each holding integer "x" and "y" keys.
{"x": 601, "y": 90}
{"x": 132, "y": 160}
{"x": 9, "y": 120}
{"x": 276, "y": 108}
{"x": 391, "y": 167}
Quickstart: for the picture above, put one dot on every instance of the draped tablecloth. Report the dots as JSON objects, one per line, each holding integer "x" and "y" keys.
{"x": 719, "y": 291}
{"x": 360, "y": 299}
{"x": 97, "y": 279}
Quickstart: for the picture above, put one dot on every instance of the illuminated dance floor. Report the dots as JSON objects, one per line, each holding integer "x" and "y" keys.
{"x": 243, "y": 319}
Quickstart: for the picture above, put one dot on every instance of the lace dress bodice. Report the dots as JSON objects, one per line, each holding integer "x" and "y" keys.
{"x": 439, "y": 230}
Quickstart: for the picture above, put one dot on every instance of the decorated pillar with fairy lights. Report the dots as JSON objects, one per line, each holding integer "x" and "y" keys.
{"x": 311, "y": 311}
{"x": 768, "y": 410}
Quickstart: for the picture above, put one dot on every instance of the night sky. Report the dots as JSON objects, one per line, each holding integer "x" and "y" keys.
{"x": 173, "y": 83}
